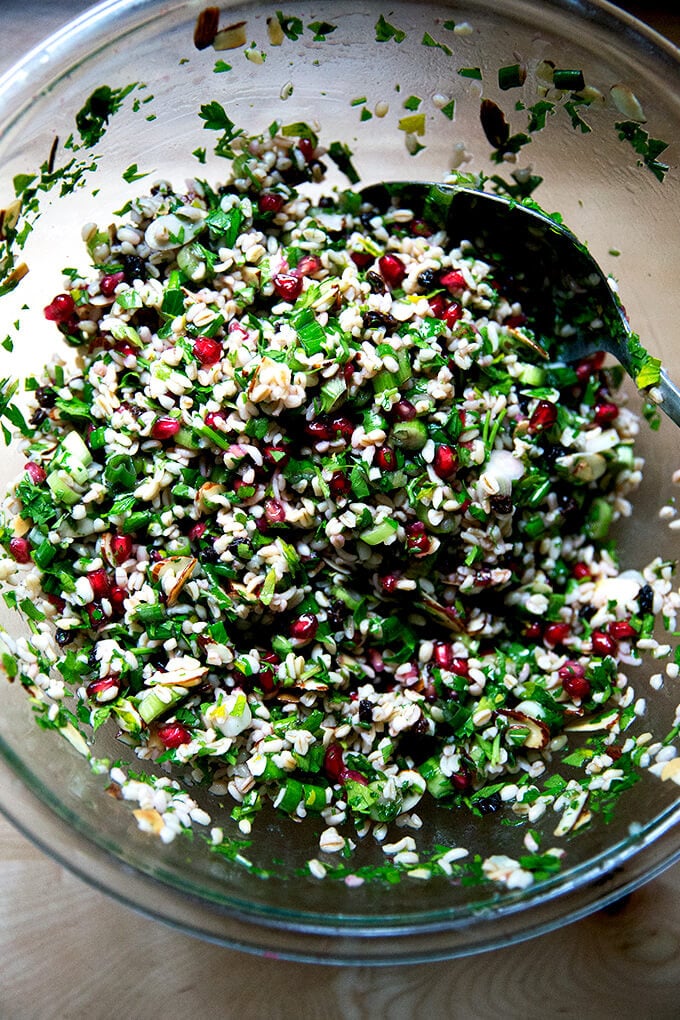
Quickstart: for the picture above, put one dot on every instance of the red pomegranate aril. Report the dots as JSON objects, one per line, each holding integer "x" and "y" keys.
{"x": 270, "y": 202}
{"x": 603, "y": 643}
{"x": 173, "y": 735}
{"x": 438, "y": 306}
{"x": 274, "y": 511}
{"x": 197, "y": 531}
{"x": 95, "y": 614}
{"x": 165, "y": 428}
{"x": 606, "y": 413}
{"x": 513, "y": 321}
{"x": 419, "y": 228}
{"x": 445, "y": 462}
{"x": 35, "y": 472}
{"x": 307, "y": 265}
{"x": 442, "y": 654}
{"x": 124, "y": 347}
{"x": 453, "y": 280}
{"x": 105, "y": 689}
{"x": 453, "y": 314}
{"x": 306, "y": 148}
{"x": 333, "y": 763}
{"x": 207, "y": 350}
{"x": 60, "y": 309}
{"x": 117, "y": 596}
{"x": 362, "y": 259}
{"x": 571, "y": 668}
{"x": 213, "y": 419}
{"x": 386, "y": 458}
{"x": 341, "y": 426}
{"x": 580, "y": 571}
{"x": 305, "y": 627}
{"x": 351, "y": 775}
{"x": 533, "y": 631}
{"x": 392, "y": 270}
{"x": 589, "y": 366}
{"x": 418, "y": 543}
{"x": 544, "y": 415}
{"x": 461, "y": 781}
{"x": 404, "y": 410}
{"x": 348, "y": 371}
{"x": 20, "y": 549}
{"x": 100, "y": 582}
{"x": 389, "y": 582}
{"x": 287, "y": 286}
{"x": 620, "y": 630}
{"x": 556, "y": 633}
{"x": 108, "y": 283}
{"x": 121, "y": 548}
{"x": 339, "y": 484}
{"x": 319, "y": 430}
{"x": 57, "y": 601}
{"x": 576, "y": 686}
{"x": 459, "y": 666}
{"x": 275, "y": 456}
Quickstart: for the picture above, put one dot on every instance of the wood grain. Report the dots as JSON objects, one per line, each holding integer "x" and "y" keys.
{"x": 68, "y": 952}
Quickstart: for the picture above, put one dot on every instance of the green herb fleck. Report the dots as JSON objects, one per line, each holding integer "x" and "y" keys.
{"x": 427, "y": 40}
{"x": 384, "y": 31}
{"x": 132, "y": 174}
{"x": 221, "y": 66}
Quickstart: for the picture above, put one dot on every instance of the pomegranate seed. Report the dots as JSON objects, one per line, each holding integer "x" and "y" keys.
{"x": 333, "y": 763}
{"x": 197, "y": 531}
{"x": 274, "y": 511}
{"x": 108, "y": 283}
{"x": 452, "y": 314}
{"x": 57, "y": 601}
{"x": 213, "y": 419}
{"x": 20, "y": 549}
{"x": 124, "y": 347}
{"x": 339, "y": 484}
{"x": 319, "y": 430}
{"x": 605, "y": 413}
{"x": 165, "y": 428}
{"x": 341, "y": 427}
{"x": 389, "y": 583}
{"x": 419, "y": 228}
{"x": 580, "y": 571}
{"x": 576, "y": 686}
{"x": 352, "y": 775}
{"x": 266, "y": 678}
{"x": 95, "y": 614}
{"x": 173, "y": 734}
{"x": 544, "y": 415}
{"x": 386, "y": 458}
{"x": 35, "y": 472}
{"x": 603, "y": 644}
{"x": 100, "y": 582}
{"x": 459, "y": 666}
{"x": 556, "y": 633}
{"x": 442, "y": 654}
{"x": 392, "y": 270}
{"x": 207, "y": 350}
{"x": 348, "y": 371}
{"x": 121, "y": 548}
{"x": 418, "y": 543}
{"x": 533, "y": 631}
{"x": 105, "y": 689}
{"x": 462, "y": 781}
{"x": 117, "y": 596}
{"x": 453, "y": 280}
{"x": 287, "y": 286}
{"x": 571, "y": 668}
{"x": 308, "y": 265}
{"x": 589, "y": 366}
{"x": 275, "y": 456}
{"x": 305, "y": 627}
{"x": 621, "y": 629}
{"x": 513, "y": 321}
{"x": 60, "y": 309}
{"x": 306, "y": 148}
{"x": 270, "y": 202}
{"x": 438, "y": 306}
{"x": 404, "y": 410}
{"x": 362, "y": 259}
{"x": 445, "y": 461}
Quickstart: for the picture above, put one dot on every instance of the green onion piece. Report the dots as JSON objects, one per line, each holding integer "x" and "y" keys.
{"x": 568, "y": 80}
{"x": 381, "y": 533}
{"x": 44, "y": 554}
{"x": 511, "y": 77}
{"x": 599, "y": 519}
{"x": 120, "y": 472}
{"x": 409, "y": 435}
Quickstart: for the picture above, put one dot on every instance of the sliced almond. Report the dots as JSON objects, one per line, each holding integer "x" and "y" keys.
{"x": 522, "y": 338}
{"x": 232, "y": 37}
{"x": 572, "y": 814}
{"x": 173, "y": 573}
{"x": 149, "y": 820}
{"x": 9, "y": 217}
{"x": 538, "y": 735}
{"x": 448, "y": 616}
{"x": 627, "y": 103}
{"x": 275, "y": 31}
{"x": 594, "y": 723}
{"x": 671, "y": 770}
{"x": 207, "y": 496}
{"x": 206, "y": 27}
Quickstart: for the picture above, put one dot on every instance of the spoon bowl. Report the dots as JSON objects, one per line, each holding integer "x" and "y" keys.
{"x": 545, "y": 267}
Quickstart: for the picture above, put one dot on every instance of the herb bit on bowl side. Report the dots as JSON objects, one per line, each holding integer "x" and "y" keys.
{"x": 310, "y": 519}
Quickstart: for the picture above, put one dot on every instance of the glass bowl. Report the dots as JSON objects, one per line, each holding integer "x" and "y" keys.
{"x": 338, "y": 77}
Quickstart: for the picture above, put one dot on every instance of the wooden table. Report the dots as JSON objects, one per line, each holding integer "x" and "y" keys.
{"x": 67, "y": 951}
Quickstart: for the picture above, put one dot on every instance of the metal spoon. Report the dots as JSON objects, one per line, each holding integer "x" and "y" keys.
{"x": 542, "y": 265}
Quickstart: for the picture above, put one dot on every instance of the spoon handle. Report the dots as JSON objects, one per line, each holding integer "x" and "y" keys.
{"x": 669, "y": 395}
